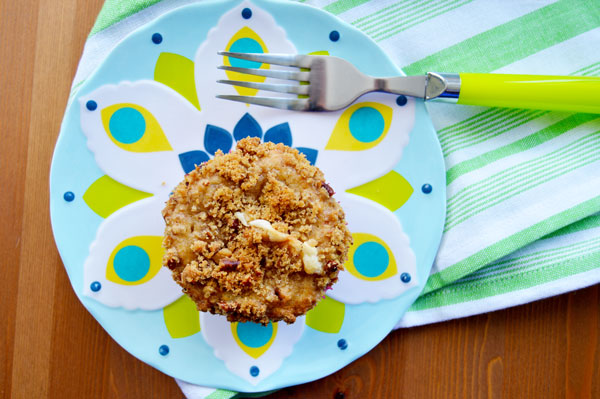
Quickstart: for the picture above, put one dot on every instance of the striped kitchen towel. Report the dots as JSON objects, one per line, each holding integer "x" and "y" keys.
{"x": 523, "y": 186}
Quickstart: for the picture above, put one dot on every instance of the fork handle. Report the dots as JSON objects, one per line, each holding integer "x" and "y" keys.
{"x": 559, "y": 93}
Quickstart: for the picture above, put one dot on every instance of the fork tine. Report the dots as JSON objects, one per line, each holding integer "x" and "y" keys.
{"x": 301, "y": 61}
{"x": 299, "y": 104}
{"x": 296, "y": 89}
{"x": 269, "y": 73}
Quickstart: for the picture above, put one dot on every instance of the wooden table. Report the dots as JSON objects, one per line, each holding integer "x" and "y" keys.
{"x": 51, "y": 346}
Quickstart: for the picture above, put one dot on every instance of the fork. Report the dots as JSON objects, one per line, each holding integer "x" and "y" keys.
{"x": 330, "y": 83}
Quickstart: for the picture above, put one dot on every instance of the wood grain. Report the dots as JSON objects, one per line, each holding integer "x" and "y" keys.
{"x": 52, "y": 348}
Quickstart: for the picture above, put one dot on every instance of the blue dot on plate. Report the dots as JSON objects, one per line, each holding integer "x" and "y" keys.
{"x": 95, "y": 286}
{"x": 91, "y": 105}
{"x": 131, "y": 263}
{"x": 254, "y": 335}
{"x": 401, "y": 100}
{"x": 405, "y": 277}
{"x": 245, "y": 45}
{"x": 254, "y": 371}
{"x": 342, "y": 344}
{"x": 366, "y": 124}
{"x": 157, "y": 38}
{"x": 371, "y": 259}
{"x": 69, "y": 196}
{"x": 426, "y": 188}
{"x": 127, "y": 125}
{"x": 247, "y": 13}
{"x": 163, "y": 350}
{"x": 334, "y": 36}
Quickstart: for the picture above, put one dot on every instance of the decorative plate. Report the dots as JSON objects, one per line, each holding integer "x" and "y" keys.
{"x": 149, "y": 114}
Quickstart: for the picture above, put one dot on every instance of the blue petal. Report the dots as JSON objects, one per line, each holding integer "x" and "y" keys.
{"x": 279, "y": 134}
{"x": 190, "y": 159}
{"x": 247, "y": 127}
{"x": 309, "y": 153}
{"x": 216, "y": 138}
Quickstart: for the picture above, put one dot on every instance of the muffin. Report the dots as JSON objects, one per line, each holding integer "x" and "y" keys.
{"x": 255, "y": 234}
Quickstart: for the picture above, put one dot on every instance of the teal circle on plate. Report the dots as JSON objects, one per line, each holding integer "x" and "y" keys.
{"x": 131, "y": 263}
{"x": 245, "y": 45}
{"x": 254, "y": 335}
{"x": 127, "y": 125}
{"x": 366, "y": 124}
{"x": 371, "y": 259}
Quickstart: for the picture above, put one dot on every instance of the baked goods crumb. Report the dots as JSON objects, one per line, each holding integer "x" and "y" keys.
{"x": 255, "y": 234}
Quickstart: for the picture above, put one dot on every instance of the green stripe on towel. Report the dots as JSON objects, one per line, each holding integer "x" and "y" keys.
{"x": 514, "y": 40}
{"x": 511, "y": 244}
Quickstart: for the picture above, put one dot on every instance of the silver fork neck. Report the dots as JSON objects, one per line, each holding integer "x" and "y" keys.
{"x": 442, "y": 87}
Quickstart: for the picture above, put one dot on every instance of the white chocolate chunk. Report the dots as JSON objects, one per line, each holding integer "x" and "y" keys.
{"x": 241, "y": 217}
{"x": 310, "y": 258}
{"x": 274, "y": 235}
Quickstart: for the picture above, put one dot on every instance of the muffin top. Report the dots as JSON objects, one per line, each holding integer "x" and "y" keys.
{"x": 255, "y": 234}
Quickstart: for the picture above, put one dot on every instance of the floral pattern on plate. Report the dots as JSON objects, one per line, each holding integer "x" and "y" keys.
{"x": 145, "y": 135}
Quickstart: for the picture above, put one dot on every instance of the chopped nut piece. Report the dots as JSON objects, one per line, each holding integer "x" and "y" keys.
{"x": 228, "y": 265}
{"x": 328, "y": 188}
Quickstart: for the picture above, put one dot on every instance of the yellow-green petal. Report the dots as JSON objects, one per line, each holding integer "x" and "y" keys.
{"x": 182, "y": 318}
{"x": 177, "y": 72}
{"x": 107, "y": 195}
{"x": 327, "y": 316}
{"x": 391, "y": 190}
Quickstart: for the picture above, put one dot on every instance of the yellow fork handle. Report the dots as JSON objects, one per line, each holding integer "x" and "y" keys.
{"x": 559, "y": 93}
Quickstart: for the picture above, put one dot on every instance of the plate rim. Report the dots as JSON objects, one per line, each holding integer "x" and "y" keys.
{"x": 54, "y": 198}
